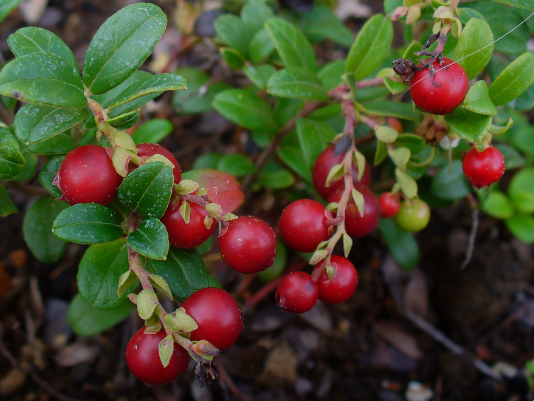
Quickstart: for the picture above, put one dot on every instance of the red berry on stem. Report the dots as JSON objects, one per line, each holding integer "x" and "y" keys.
{"x": 357, "y": 225}
{"x": 249, "y": 245}
{"x": 324, "y": 164}
{"x": 218, "y": 317}
{"x": 297, "y": 293}
{"x": 142, "y": 357}
{"x": 389, "y": 205}
{"x": 87, "y": 175}
{"x": 443, "y": 99}
{"x": 150, "y": 149}
{"x": 342, "y": 285}
{"x": 190, "y": 235}
{"x": 302, "y": 225}
{"x": 483, "y": 168}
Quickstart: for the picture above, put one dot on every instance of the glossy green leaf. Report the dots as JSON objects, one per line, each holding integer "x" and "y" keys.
{"x": 86, "y": 320}
{"x": 381, "y": 152}
{"x": 371, "y": 46}
{"x": 99, "y": 272}
{"x": 125, "y": 121}
{"x": 512, "y": 158}
{"x": 286, "y": 109}
{"x": 121, "y": 45}
{"x": 451, "y": 184}
{"x": 478, "y": 101}
{"x": 34, "y": 124}
{"x": 150, "y": 239}
{"x": 232, "y": 31}
{"x": 522, "y": 227}
{"x": 297, "y": 83}
{"x": 6, "y": 6}
{"x": 7, "y": 206}
{"x": 410, "y": 51}
{"x": 29, "y": 167}
{"x": 259, "y": 75}
{"x": 275, "y": 177}
{"x": 198, "y": 97}
{"x": 37, "y": 230}
{"x": 236, "y": 165}
{"x": 521, "y": 190}
{"x": 514, "y": 80}
{"x": 233, "y": 58}
{"x": 261, "y": 46}
{"x": 183, "y": 270}
{"x": 389, "y": 108}
{"x": 246, "y": 109}
{"x": 208, "y": 160}
{"x": 403, "y": 247}
{"x": 476, "y": 35}
{"x": 87, "y": 223}
{"x": 331, "y": 74}
{"x": 497, "y": 205}
{"x": 524, "y": 4}
{"x": 152, "y": 131}
{"x": 58, "y": 144}
{"x": 38, "y": 40}
{"x": 155, "y": 84}
{"x": 313, "y": 137}
{"x": 11, "y": 158}
{"x": 147, "y": 190}
{"x": 255, "y": 14}
{"x": 48, "y": 173}
{"x": 321, "y": 23}
{"x": 413, "y": 142}
{"x": 291, "y": 44}
{"x": 468, "y": 125}
{"x": 290, "y": 152}
{"x": 43, "y": 78}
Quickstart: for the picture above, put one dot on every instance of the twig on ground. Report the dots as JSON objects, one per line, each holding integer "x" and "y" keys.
{"x": 472, "y": 239}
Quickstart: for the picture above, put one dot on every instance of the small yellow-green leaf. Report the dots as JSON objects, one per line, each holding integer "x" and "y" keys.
{"x": 165, "y": 350}
{"x": 147, "y": 300}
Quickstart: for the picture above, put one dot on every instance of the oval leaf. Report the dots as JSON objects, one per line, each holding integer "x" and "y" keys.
{"x": 125, "y": 121}
{"x": 237, "y": 165}
{"x": 522, "y": 227}
{"x": 297, "y": 83}
{"x": 7, "y": 206}
{"x": 402, "y": 245}
{"x": 476, "y": 35}
{"x": 11, "y": 159}
{"x": 477, "y": 100}
{"x": 498, "y": 205}
{"x": 514, "y": 80}
{"x": 150, "y": 239}
{"x": 468, "y": 125}
{"x": 451, "y": 185}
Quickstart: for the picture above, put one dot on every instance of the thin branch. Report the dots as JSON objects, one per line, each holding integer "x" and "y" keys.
{"x": 24, "y": 188}
{"x": 370, "y": 82}
{"x": 472, "y": 239}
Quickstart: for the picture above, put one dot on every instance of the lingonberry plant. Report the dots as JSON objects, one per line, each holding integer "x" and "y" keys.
{"x": 317, "y": 128}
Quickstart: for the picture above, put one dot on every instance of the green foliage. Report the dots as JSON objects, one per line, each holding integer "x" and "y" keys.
{"x": 150, "y": 239}
{"x": 11, "y": 159}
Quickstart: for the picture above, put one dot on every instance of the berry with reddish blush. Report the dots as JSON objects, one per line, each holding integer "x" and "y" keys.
{"x": 249, "y": 245}
{"x": 190, "y": 235}
{"x": 297, "y": 293}
{"x": 324, "y": 164}
{"x": 218, "y": 317}
{"x": 483, "y": 168}
{"x": 342, "y": 285}
{"x": 443, "y": 99}
{"x": 413, "y": 215}
{"x": 145, "y": 150}
{"x": 142, "y": 357}
{"x": 87, "y": 175}
{"x": 357, "y": 225}
{"x": 396, "y": 124}
{"x": 389, "y": 205}
{"x": 302, "y": 225}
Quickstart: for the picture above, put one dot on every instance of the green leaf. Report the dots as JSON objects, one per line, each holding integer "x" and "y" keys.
{"x": 237, "y": 165}
{"x": 233, "y": 58}
{"x": 297, "y": 83}
{"x": 521, "y": 190}
{"x": 321, "y": 23}
{"x": 261, "y": 46}
{"x": 371, "y": 46}
{"x": 389, "y": 108}
{"x": 254, "y": 15}
{"x": 407, "y": 183}
{"x": 121, "y": 45}
{"x": 152, "y": 131}
{"x": 386, "y": 134}
{"x": 290, "y": 152}
{"x": 6, "y": 6}
{"x": 30, "y": 165}
{"x": 275, "y": 177}
{"x": 410, "y": 51}
{"x": 498, "y": 205}
{"x": 514, "y": 80}
{"x": 87, "y": 223}
{"x": 86, "y": 320}
{"x": 58, "y": 144}
{"x": 331, "y": 74}
{"x": 512, "y": 158}
{"x": 37, "y": 230}
{"x": 232, "y": 31}
{"x": 48, "y": 173}
{"x": 43, "y": 78}
{"x": 401, "y": 244}
{"x": 468, "y": 125}
{"x": 146, "y": 303}
{"x": 7, "y": 206}
{"x": 125, "y": 121}
{"x": 147, "y": 190}
{"x": 291, "y": 44}
{"x": 208, "y": 160}
{"x": 183, "y": 270}
{"x": 413, "y": 142}
{"x": 451, "y": 185}
{"x": 38, "y": 40}
{"x": 259, "y": 75}
{"x": 99, "y": 272}
{"x": 246, "y": 109}
{"x": 524, "y": 4}
{"x": 11, "y": 159}
{"x": 34, "y": 124}
{"x": 381, "y": 152}
{"x": 150, "y": 239}
{"x": 313, "y": 137}
{"x": 155, "y": 84}
{"x": 522, "y": 227}
{"x": 477, "y": 100}
{"x": 475, "y": 36}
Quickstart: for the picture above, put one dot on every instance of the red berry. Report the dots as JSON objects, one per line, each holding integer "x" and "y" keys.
{"x": 302, "y": 225}
{"x": 342, "y": 285}
{"x": 443, "y": 99}
{"x": 150, "y": 149}
{"x": 142, "y": 357}
{"x": 396, "y": 124}
{"x": 249, "y": 245}
{"x": 324, "y": 164}
{"x": 190, "y": 235}
{"x": 218, "y": 317}
{"x": 356, "y": 225}
{"x": 483, "y": 168}
{"x": 87, "y": 175}
{"x": 389, "y": 205}
{"x": 297, "y": 293}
